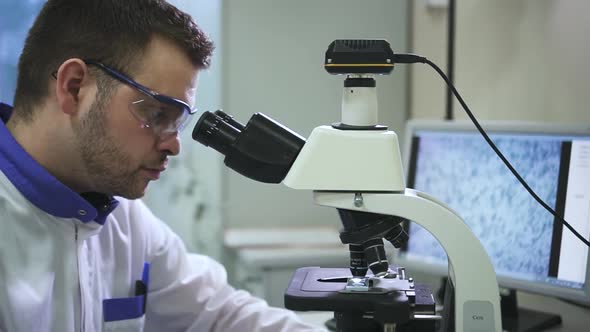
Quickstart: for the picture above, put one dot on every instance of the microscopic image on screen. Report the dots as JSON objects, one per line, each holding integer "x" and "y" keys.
{"x": 462, "y": 171}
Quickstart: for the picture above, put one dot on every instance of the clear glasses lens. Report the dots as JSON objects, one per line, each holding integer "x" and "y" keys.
{"x": 162, "y": 118}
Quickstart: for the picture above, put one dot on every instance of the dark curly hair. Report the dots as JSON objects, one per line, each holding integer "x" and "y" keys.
{"x": 116, "y": 32}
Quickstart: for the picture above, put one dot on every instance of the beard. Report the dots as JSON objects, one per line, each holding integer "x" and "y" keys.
{"x": 110, "y": 169}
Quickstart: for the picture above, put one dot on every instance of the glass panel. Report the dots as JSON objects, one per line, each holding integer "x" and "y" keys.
{"x": 16, "y": 17}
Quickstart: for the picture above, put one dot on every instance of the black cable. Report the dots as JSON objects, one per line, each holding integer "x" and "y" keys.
{"x": 451, "y": 58}
{"x": 412, "y": 58}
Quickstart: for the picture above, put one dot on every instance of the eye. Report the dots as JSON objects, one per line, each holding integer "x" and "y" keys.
{"x": 159, "y": 116}
{"x": 154, "y": 114}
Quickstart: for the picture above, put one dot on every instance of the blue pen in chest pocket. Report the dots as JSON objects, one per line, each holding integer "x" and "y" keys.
{"x": 129, "y": 307}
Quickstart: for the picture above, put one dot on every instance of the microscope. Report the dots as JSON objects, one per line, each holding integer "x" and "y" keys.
{"x": 355, "y": 166}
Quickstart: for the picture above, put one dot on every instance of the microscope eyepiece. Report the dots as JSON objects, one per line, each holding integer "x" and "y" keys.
{"x": 212, "y": 130}
{"x": 229, "y": 119}
{"x": 262, "y": 150}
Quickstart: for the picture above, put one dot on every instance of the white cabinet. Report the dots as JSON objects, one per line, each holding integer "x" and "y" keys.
{"x": 262, "y": 261}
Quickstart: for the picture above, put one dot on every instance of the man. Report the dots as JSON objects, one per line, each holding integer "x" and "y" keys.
{"x": 104, "y": 87}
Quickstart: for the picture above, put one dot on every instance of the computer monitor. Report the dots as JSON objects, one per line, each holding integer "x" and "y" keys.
{"x": 528, "y": 248}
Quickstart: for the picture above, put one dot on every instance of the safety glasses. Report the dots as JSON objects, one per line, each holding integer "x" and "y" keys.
{"x": 165, "y": 115}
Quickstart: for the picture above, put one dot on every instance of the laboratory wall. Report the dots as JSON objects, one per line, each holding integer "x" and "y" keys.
{"x": 273, "y": 63}
{"x": 269, "y": 58}
{"x": 515, "y": 60}
{"x": 188, "y": 196}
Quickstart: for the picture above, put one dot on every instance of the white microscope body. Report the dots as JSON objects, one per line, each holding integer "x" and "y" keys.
{"x": 362, "y": 170}
{"x": 356, "y": 166}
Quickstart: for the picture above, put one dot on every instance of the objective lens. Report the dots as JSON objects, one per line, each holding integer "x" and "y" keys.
{"x": 358, "y": 263}
{"x": 375, "y": 256}
{"x": 397, "y": 236}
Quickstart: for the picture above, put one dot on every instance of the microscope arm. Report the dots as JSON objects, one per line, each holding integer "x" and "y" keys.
{"x": 477, "y": 298}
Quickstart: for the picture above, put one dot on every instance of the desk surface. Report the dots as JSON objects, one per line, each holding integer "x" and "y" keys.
{"x": 575, "y": 319}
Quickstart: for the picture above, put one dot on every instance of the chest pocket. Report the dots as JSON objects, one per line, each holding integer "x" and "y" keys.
{"x": 127, "y": 314}
{"x": 124, "y": 314}
{"x": 125, "y": 325}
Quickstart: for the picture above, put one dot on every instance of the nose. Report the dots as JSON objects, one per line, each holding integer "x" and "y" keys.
{"x": 170, "y": 144}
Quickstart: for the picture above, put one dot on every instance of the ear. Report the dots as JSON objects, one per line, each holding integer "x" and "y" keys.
{"x": 72, "y": 78}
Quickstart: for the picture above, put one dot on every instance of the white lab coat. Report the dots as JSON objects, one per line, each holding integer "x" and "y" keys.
{"x": 55, "y": 274}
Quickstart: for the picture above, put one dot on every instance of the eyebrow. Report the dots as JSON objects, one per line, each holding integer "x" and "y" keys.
{"x": 125, "y": 78}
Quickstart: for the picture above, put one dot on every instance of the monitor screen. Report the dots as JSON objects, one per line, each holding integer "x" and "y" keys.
{"x": 528, "y": 248}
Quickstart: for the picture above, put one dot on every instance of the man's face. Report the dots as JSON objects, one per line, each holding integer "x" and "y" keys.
{"x": 121, "y": 155}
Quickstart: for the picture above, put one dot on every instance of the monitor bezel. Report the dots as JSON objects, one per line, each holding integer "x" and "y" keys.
{"x": 505, "y": 281}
